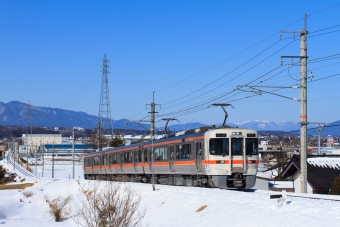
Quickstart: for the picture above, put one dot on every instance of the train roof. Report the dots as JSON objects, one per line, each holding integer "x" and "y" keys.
{"x": 192, "y": 133}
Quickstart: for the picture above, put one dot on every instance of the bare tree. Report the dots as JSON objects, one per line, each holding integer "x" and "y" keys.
{"x": 113, "y": 204}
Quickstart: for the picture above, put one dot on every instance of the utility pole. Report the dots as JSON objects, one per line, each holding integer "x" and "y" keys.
{"x": 319, "y": 132}
{"x": 36, "y": 147}
{"x": 303, "y": 106}
{"x": 319, "y": 129}
{"x": 303, "y": 102}
{"x": 152, "y": 134}
{"x": 73, "y": 152}
{"x": 53, "y": 158}
{"x": 43, "y": 160}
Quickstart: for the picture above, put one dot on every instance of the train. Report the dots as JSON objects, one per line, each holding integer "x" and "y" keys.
{"x": 223, "y": 157}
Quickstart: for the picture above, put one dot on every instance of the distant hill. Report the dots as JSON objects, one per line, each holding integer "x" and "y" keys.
{"x": 14, "y": 113}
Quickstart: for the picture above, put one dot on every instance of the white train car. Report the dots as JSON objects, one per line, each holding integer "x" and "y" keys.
{"x": 212, "y": 157}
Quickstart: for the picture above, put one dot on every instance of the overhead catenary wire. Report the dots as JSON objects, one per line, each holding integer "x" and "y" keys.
{"x": 208, "y": 85}
{"x": 230, "y": 79}
{"x": 243, "y": 51}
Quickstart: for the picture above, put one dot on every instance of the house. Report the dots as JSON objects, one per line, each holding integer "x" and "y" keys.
{"x": 321, "y": 171}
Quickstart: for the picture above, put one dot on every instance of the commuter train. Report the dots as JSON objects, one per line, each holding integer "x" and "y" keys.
{"x": 212, "y": 157}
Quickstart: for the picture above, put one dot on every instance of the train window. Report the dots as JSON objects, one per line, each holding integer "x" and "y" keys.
{"x": 236, "y": 146}
{"x": 88, "y": 161}
{"x": 128, "y": 156}
{"x": 114, "y": 158}
{"x": 219, "y": 146}
{"x": 183, "y": 151}
{"x": 161, "y": 154}
{"x": 96, "y": 161}
{"x": 252, "y": 146}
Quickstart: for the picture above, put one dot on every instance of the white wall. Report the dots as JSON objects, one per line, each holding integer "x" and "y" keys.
{"x": 297, "y": 186}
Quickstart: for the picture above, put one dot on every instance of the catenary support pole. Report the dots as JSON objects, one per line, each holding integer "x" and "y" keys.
{"x": 303, "y": 106}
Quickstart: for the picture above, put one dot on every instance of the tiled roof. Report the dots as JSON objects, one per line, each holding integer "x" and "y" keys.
{"x": 321, "y": 170}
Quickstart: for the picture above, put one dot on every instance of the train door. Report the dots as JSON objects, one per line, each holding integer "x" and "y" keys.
{"x": 199, "y": 156}
{"x": 121, "y": 157}
{"x": 172, "y": 158}
{"x": 151, "y": 158}
{"x": 109, "y": 157}
{"x": 100, "y": 162}
{"x": 144, "y": 159}
{"x": 237, "y": 154}
{"x": 135, "y": 155}
{"x": 91, "y": 158}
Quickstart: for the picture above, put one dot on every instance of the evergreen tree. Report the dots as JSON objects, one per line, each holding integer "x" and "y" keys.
{"x": 116, "y": 141}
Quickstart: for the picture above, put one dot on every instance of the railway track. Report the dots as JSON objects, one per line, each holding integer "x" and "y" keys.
{"x": 18, "y": 167}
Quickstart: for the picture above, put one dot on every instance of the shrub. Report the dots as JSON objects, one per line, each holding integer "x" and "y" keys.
{"x": 58, "y": 207}
{"x": 336, "y": 186}
{"x": 113, "y": 205}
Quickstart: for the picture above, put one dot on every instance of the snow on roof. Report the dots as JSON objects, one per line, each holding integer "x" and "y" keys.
{"x": 333, "y": 162}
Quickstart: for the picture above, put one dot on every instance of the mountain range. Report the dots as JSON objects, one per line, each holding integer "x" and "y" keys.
{"x": 15, "y": 113}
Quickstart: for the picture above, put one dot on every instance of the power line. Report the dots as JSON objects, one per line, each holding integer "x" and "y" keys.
{"x": 324, "y": 9}
{"x": 270, "y": 36}
{"x": 324, "y": 33}
{"x": 324, "y": 29}
{"x": 229, "y": 79}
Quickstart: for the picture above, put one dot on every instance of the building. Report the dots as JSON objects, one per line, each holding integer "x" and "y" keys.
{"x": 33, "y": 140}
{"x": 321, "y": 171}
{"x": 59, "y": 150}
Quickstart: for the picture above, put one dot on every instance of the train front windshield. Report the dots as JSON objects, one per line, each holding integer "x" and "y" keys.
{"x": 219, "y": 146}
{"x": 252, "y": 146}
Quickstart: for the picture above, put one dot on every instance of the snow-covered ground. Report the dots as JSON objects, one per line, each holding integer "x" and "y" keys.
{"x": 172, "y": 205}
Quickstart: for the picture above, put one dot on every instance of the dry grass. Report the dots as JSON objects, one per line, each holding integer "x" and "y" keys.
{"x": 112, "y": 205}
{"x": 16, "y": 186}
{"x": 58, "y": 207}
{"x": 201, "y": 208}
{"x": 27, "y": 193}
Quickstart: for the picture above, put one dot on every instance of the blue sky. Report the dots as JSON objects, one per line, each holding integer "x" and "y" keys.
{"x": 191, "y": 53}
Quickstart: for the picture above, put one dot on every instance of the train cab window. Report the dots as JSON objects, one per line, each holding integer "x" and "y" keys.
{"x": 183, "y": 151}
{"x": 96, "y": 161}
{"x": 219, "y": 146}
{"x": 161, "y": 154}
{"x": 128, "y": 156}
{"x": 114, "y": 158}
{"x": 236, "y": 146}
{"x": 252, "y": 146}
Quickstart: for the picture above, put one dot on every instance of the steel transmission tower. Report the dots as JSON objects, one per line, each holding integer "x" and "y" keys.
{"x": 104, "y": 115}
